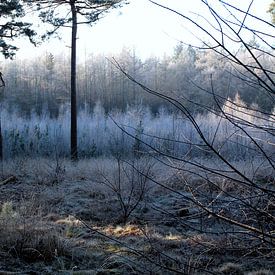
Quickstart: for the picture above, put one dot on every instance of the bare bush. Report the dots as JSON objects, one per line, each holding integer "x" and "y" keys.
{"x": 129, "y": 183}
{"x": 228, "y": 205}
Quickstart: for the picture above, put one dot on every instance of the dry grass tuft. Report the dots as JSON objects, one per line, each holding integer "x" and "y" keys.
{"x": 124, "y": 231}
{"x": 27, "y": 238}
{"x": 70, "y": 220}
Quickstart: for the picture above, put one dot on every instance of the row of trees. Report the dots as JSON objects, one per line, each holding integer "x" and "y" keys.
{"x": 36, "y": 85}
{"x": 57, "y": 14}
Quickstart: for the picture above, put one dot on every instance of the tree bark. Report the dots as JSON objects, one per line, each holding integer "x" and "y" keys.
{"x": 1, "y": 142}
{"x": 74, "y": 153}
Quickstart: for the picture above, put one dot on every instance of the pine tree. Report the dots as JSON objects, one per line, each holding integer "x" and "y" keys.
{"x": 12, "y": 26}
{"x": 64, "y": 13}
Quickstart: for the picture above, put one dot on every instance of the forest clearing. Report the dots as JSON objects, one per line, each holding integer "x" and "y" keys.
{"x": 122, "y": 163}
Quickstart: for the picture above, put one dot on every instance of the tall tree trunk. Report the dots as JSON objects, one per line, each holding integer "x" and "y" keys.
{"x": 1, "y": 142}
{"x": 74, "y": 154}
{"x": 1, "y": 109}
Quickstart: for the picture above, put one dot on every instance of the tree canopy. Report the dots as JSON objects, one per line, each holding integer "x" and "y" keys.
{"x": 12, "y": 26}
{"x": 63, "y": 13}
{"x": 58, "y": 13}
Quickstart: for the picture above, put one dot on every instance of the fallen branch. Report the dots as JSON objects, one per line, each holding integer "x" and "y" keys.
{"x": 6, "y": 181}
{"x": 9, "y": 272}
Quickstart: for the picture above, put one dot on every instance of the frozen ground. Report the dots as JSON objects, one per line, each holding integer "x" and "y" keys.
{"x": 101, "y": 216}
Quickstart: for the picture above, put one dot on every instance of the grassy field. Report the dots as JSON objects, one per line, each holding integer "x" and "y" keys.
{"x": 115, "y": 216}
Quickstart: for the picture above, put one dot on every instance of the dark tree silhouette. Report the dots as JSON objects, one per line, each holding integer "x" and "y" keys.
{"x": 12, "y": 26}
{"x": 73, "y": 13}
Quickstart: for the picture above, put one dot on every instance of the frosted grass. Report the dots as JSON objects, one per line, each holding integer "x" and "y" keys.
{"x": 98, "y": 134}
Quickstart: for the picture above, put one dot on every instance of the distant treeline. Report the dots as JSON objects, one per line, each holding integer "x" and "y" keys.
{"x": 190, "y": 75}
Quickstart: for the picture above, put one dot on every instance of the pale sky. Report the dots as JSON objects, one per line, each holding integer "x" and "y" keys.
{"x": 148, "y": 28}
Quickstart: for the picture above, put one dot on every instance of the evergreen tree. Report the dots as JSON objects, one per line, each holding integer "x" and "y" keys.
{"x": 64, "y": 13}
{"x": 12, "y": 26}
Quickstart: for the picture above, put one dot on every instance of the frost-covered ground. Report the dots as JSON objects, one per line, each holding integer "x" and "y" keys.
{"x": 125, "y": 132}
{"x": 102, "y": 216}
